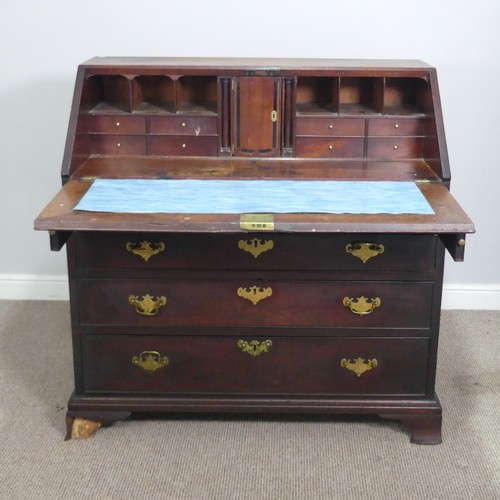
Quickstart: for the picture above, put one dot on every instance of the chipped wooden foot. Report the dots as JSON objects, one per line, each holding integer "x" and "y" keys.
{"x": 423, "y": 429}
{"x": 81, "y": 428}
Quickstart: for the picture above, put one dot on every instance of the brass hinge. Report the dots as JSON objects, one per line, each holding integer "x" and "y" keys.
{"x": 257, "y": 222}
{"x": 89, "y": 178}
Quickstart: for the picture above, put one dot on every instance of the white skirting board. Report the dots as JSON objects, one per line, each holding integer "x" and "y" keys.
{"x": 38, "y": 287}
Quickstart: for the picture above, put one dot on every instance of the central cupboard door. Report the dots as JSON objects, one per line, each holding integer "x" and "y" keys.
{"x": 256, "y": 115}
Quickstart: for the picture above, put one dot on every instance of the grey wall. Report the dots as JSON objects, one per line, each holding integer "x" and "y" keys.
{"x": 42, "y": 44}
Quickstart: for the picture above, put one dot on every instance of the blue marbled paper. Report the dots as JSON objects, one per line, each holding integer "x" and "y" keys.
{"x": 253, "y": 196}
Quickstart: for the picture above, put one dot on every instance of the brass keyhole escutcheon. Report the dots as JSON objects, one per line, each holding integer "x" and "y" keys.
{"x": 255, "y": 348}
{"x": 254, "y": 293}
{"x": 145, "y": 249}
{"x": 274, "y": 115}
{"x": 255, "y": 246}
{"x": 359, "y": 365}
{"x": 364, "y": 251}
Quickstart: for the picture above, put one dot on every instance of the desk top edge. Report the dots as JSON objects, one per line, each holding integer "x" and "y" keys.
{"x": 253, "y": 62}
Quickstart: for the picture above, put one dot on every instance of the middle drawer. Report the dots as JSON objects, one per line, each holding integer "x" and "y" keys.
{"x": 243, "y": 302}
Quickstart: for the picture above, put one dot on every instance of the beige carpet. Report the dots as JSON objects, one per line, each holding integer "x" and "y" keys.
{"x": 222, "y": 458}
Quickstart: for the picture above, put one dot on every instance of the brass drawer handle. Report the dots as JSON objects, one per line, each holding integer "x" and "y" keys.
{"x": 254, "y": 348}
{"x": 362, "y": 305}
{"x": 364, "y": 251}
{"x": 358, "y": 366}
{"x": 150, "y": 361}
{"x": 147, "y": 305}
{"x": 254, "y": 293}
{"x": 145, "y": 249}
{"x": 255, "y": 246}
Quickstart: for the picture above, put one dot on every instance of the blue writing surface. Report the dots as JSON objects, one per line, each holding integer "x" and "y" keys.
{"x": 216, "y": 196}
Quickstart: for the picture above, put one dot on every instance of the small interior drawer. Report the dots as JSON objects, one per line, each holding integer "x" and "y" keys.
{"x": 330, "y": 127}
{"x": 178, "y": 145}
{"x": 183, "y": 125}
{"x": 119, "y": 144}
{"x": 396, "y": 126}
{"x": 389, "y": 148}
{"x": 254, "y": 365}
{"x": 100, "y": 124}
{"x": 329, "y": 147}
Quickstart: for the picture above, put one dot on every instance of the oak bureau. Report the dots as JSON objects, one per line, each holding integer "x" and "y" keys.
{"x": 283, "y": 312}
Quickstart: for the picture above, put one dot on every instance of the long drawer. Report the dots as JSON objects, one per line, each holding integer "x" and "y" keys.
{"x": 283, "y": 365}
{"x": 250, "y": 302}
{"x": 352, "y": 252}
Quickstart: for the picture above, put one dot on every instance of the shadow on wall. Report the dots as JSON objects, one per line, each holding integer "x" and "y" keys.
{"x": 35, "y": 117}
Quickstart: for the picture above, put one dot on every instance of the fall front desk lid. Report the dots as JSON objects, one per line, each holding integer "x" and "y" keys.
{"x": 253, "y": 196}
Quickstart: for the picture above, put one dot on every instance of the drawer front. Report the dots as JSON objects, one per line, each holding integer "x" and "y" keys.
{"x": 98, "y": 124}
{"x": 266, "y": 365}
{"x": 183, "y": 125}
{"x": 179, "y": 145}
{"x": 330, "y": 127}
{"x": 396, "y": 126}
{"x": 119, "y": 145}
{"x": 251, "y": 302}
{"x": 351, "y": 252}
{"x": 388, "y": 148}
{"x": 325, "y": 147}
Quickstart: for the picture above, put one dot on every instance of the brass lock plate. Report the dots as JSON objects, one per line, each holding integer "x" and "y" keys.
{"x": 257, "y": 222}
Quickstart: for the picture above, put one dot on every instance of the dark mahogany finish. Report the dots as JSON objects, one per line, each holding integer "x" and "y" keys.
{"x": 205, "y": 323}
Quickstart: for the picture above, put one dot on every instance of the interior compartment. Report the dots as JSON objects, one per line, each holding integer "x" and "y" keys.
{"x": 197, "y": 94}
{"x": 107, "y": 94}
{"x": 406, "y": 96}
{"x": 153, "y": 94}
{"x": 317, "y": 95}
{"x": 360, "y": 95}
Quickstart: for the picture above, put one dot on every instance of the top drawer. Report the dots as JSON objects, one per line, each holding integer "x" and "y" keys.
{"x": 330, "y": 127}
{"x": 254, "y": 251}
{"x": 183, "y": 125}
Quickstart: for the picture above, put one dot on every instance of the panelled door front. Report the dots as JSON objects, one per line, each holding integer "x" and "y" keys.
{"x": 256, "y": 115}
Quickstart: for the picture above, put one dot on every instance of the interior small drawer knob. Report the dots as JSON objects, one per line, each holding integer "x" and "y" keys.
{"x": 361, "y": 305}
{"x": 145, "y": 249}
{"x": 146, "y": 305}
{"x": 359, "y": 365}
{"x": 255, "y": 246}
{"x": 365, "y": 251}
{"x": 254, "y": 293}
{"x": 150, "y": 361}
{"x": 255, "y": 348}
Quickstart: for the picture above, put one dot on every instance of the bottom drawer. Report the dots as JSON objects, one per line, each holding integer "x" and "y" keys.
{"x": 264, "y": 365}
